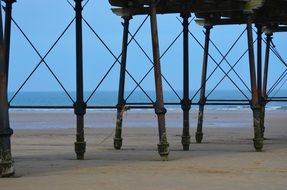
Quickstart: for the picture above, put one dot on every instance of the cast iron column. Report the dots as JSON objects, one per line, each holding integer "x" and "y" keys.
{"x": 258, "y": 140}
{"x": 202, "y": 100}
{"x": 7, "y": 33}
{"x": 259, "y": 60}
{"x": 261, "y": 100}
{"x": 121, "y": 100}
{"x": 265, "y": 76}
{"x": 266, "y": 64}
{"x": 79, "y": 106}
{"x": 159, "y": 104}
{"x": 6, "y": 161}
{"x": 185, "y": 103}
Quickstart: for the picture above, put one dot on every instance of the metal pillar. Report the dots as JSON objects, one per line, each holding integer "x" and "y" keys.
{"x": 163, "y": 146}
{"x": 185, "y": 103}
{"x": 6, "y": 160}
{"x": 261, "y": 100}
{"x": 266, "y": 64}
{"x": 7, "y": 32}
{"x": 255, "y": 106}
{"x": 79, "y": 106}
{"x": 259, "y": 61}
{"x": 121, "y": 100}
{"x": 199, "y": 134}
{"x": 265, "y": 77}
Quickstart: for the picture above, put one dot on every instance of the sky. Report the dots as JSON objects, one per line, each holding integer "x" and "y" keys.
{"x": 44, "y": 21}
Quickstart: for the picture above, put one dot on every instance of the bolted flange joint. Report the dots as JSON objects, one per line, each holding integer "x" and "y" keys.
{"x": 118, "y": 143}
{"x": 263, "y": 101}
{"x": 159, "y": 109}
{"x": 185, "y": 141}
{"x": 163, "y": 150}
{"x": 80, "y": 108}
{"x": 80, "y": 149}
{"x": 202, "y": 101}
{"x": 185, "y": 104}
{"x": 121, "y": 105}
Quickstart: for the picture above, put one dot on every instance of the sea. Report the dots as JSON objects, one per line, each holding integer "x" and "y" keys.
{"x": 47, "y": 101}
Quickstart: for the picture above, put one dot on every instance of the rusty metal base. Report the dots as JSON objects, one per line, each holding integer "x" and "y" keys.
{"x": 163, "y": 150}
{"x": 6, "y": 164}
{"x": 258, "y": 144}
{"x": 258, "y": 126}
{"x": 118, "y": 143}
{"x": 80, "y": 149}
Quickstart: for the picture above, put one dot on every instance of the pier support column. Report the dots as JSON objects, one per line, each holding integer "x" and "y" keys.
{"x": 185, "y": 103}
{"x": 6, "y": 160}
{"x": 265, "y": 75}
{"x": 7, "y": 32}
{"x": 261, "y": 99}
{"x": 163, "y": 146}
{"x": 121, "y": 100}
{"x": 79, "y": 106}
{"x": 202, "y": 100}
{"x": 255, "y": 105}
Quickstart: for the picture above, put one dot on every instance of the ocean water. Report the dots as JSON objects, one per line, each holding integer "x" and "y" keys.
{"x": 109, "y": 98}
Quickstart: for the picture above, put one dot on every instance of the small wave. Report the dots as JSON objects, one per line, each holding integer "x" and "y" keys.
{"x": 272, "y": 108}
{"x": 40, "y": 110}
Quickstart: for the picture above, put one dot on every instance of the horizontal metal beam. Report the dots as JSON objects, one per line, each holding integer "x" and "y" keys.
{"x": 238, "y": 21}
{"x": 135, "y": 105}
{"x": 170, "y": 10}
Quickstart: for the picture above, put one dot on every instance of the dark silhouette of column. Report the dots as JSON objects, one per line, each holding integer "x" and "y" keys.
{"x": 255, "y": 106}
{"x": 6, "y": 160}
{"x": 121, "y": 99}
{"x": 185, "y": 103}
{"x": 265, "y": 77}
{"x": 79, "y": 106}
{"x": 262, "y": 102}
{"x": 7, "y": 32}
{"x": 163, "y": 146}
{"x": 202, "y": 100}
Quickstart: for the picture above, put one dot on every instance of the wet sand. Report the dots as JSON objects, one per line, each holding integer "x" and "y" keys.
{"x": 45, "y": 159}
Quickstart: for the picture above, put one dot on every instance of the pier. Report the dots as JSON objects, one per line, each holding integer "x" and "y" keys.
{"x": 259, "y": 16}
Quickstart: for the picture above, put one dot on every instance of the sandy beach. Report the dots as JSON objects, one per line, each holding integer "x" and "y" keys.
{"x": 44, "y": 156}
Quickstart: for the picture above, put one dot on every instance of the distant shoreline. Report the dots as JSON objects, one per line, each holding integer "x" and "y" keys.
{"x": 169, "y": 109}
{"x": 62, "y": 119}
